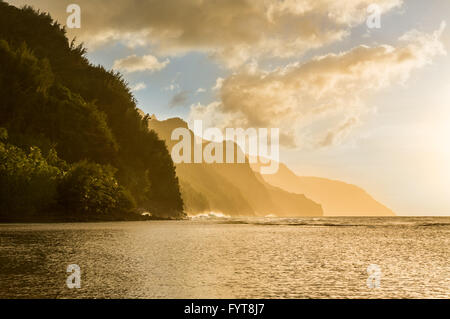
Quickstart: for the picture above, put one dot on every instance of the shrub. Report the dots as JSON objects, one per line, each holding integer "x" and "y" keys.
{"x": 28, "y": 184}
{"x": 91, "y": 189}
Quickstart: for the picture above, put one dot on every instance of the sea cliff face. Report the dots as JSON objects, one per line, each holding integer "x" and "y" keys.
{"x": 232, "y": 189}
{"x": 239, "y": 189}
{"x": 337, "y": 198}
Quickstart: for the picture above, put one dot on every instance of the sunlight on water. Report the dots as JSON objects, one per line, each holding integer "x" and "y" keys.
{"x": 213, "y": 257}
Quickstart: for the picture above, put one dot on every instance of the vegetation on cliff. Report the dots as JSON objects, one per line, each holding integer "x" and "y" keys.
{"x": 72, "y": 140}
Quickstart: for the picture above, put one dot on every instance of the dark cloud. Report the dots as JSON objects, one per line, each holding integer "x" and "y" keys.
{"x": 179, "y": 99}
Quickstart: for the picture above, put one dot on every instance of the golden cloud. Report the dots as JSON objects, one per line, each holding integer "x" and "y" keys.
{"x": 134, "y": 63}
{"x": 230, "y": 30}
{"x": 300, "y": 98}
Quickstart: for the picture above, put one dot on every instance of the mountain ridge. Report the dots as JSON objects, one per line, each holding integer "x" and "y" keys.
{"x": 232, "y": 189}
{"x": 337, "y": 198}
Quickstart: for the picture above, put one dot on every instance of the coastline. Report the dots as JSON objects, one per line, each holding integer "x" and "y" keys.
{"x": 132, "y": 217}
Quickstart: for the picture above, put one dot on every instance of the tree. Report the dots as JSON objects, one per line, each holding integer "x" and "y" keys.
{"x": 52, "y": 98}
{"x": 92, "y": 189}
{"x": 28, "y": 184}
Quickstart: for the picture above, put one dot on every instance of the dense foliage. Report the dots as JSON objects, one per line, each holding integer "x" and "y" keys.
{"x": 25, "y": 173}
{"x": 53, "y": 101}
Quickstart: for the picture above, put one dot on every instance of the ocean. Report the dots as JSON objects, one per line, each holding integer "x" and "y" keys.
{"x": 220, "y": 257}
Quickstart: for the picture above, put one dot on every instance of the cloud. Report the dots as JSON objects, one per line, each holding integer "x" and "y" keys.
{"x": 134, "y": 63}
{"x": 313, "y": 103}
{"x": 231, "y": 31}
{"x": 341, "y": 132}
{"x": 139, "y": 86}
{"x": 172, "y": 87}
{"x": 305, "y": 100}
{"x": 200, "y": 90}
{"x": 218, "y": 85}
{"x": 173, "y": 84}
{"x": 179, "y": 99}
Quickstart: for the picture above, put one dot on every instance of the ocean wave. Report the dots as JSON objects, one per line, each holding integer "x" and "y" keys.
{"x": 209, "y": 215}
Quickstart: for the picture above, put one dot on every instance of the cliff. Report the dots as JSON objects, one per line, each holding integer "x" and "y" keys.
{"x": 232, "y": 189}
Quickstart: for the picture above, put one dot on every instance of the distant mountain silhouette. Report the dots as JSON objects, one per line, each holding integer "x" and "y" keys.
{"x": 337, "y": 198}
{"x": 232, "y": 189}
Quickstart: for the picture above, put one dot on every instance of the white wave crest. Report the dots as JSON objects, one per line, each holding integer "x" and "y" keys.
{"x": 209, "y": 215}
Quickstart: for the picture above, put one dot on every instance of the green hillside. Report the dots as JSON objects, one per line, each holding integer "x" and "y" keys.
{"x": 73, "y": 145}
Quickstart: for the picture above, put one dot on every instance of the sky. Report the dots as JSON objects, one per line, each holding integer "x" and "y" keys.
{"x": 368, "y": 106}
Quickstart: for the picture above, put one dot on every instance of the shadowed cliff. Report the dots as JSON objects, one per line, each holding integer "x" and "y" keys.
{"x": 72, "y": 144}
{"x": 232, "y": 189}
